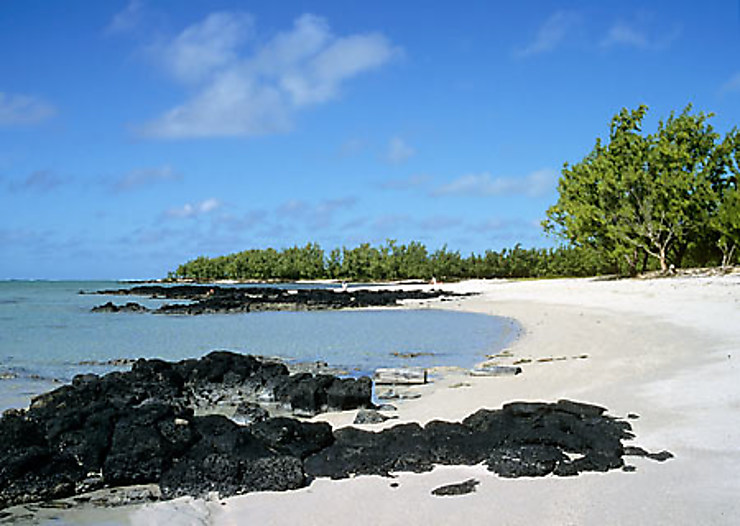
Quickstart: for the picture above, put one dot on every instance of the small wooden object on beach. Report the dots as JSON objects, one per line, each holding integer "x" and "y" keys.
{"x": 400, "y": 376}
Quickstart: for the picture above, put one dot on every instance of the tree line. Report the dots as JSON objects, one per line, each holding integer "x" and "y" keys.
{"x": 638, "y": 201}
{"x": 392, "y": 261}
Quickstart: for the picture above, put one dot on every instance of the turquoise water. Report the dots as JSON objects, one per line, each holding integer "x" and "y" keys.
{"x": 47, "y": 329}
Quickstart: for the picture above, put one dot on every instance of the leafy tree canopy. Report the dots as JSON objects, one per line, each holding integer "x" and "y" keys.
{"x": 640, "y": 195}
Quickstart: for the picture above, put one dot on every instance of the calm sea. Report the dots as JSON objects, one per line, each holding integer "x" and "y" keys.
{"x": 47, "y": 330}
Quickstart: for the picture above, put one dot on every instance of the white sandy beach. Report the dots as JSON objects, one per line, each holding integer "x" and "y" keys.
{"x": 665, "y": 349}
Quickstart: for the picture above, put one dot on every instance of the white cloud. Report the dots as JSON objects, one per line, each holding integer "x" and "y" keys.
{"x": 230, "y": 106}
{"x": 637, "y": 34}
{"x": 550, "y": 34}
{"x": 194, "y": 209}
{"x": 623, "y": 34}
{"x": 398, "y": 151}
{"x": 146, "y": 176}
{"x": 204, "y": 48}
{"x": 535, "y": 184}
{"x": 16, "y": 109}
{"x": 126, "y": 19}
{"x": 732, "y": 85}
{"x": 246, "y": 94}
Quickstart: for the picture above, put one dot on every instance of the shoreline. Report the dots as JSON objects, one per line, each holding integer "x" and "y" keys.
{"x": 662, "y": 349}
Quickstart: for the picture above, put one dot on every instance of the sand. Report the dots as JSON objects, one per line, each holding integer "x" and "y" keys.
{"x": 664, "y": 349}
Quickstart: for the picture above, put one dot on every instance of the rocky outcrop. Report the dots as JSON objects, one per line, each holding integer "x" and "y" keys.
{"x": 519, "y": 440}
{"x": 211, "y": 300}
{"x": 139, "y": 427}
{"x": 128, "y": 307}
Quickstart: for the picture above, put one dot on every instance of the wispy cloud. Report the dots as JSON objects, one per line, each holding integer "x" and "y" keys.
{"x": 440, "y": 222}
{"x": 732, "y": 85}
{"x": 398, "y": 151}
{"x": 191, "y": 210}
{"x": 17, "y": 109}
{"x": 638, "y": 34}
{"x": 535, "y": 184}
{"x": 314, "y": 215}
{"x": 355, "y": 223}
{"x": 240, "y": 93}
{"x": 550, "y": 34}
{"x": 145, "y": 177}
{"x": 126, "y": 19}
{"x": 407, "y": 183}
{"x": 239, "y": 223}
{"x": 203, "y": 49}
{"x": 508, "y": 231}
{"x": 38, "y": 181}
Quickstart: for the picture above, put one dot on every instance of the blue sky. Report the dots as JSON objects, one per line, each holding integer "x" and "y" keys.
{"x": 135, "y": 135}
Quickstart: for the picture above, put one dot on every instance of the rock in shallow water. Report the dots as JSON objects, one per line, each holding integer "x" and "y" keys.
{"x": 128, "y": 307}
{"x": 212, "y": 299}
{"x": 138, "y": 427}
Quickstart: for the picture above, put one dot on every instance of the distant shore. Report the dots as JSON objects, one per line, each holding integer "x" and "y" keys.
{"x": 665, "y": 350}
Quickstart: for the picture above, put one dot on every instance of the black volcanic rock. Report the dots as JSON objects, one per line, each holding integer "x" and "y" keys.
{"x": 305, "y": 392}
{"x": 128, "y": 307}
{"x": 349, "y": 393}
{"x": 310, "y": 394}
{"x": 139, "y": 427}
{"x": 291, "y": 437}
{"x": 205, "y": 299}
{"x": 370, "y": 416}
{"x": 520, "y": 440}
{"x": 461, "y": 488}
{"x": 250, "y": 413}
{"x": 29, "y": 468}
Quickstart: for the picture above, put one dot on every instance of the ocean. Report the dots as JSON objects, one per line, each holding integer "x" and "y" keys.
{"x": 48, "y": 335}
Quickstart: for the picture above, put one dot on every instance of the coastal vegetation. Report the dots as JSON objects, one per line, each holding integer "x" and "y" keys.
{"x": 393, "y": 261}
{"x": 670, "y": 196}
{"x": 636, "y": 202}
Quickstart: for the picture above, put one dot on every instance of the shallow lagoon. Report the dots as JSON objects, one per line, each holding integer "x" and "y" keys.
{"x": 47, "y": 329}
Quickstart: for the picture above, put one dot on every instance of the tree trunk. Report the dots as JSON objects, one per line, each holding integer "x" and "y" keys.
{"x": 663, "y": 261}
{"x": 727, "y": 256}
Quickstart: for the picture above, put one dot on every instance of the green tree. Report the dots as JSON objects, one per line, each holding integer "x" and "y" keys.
{"x": 726, "y": 221}
{"x": 334, "y": 264}
{"x": 641, "y": 194}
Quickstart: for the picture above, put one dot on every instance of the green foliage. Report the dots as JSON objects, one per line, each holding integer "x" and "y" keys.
{"x": 658, "y": 195}
{"x": 726, "y": 220}
{"x": 393, "y": 261}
